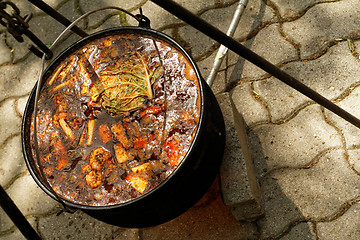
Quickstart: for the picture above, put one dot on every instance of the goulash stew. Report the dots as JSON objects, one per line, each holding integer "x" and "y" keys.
{"x": 116, "y": 118}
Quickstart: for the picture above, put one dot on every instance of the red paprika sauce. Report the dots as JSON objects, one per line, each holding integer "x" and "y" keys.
{"x": 116, "y": 118}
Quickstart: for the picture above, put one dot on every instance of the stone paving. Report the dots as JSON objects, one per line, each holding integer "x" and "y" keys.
{"x": 306, "y": 158}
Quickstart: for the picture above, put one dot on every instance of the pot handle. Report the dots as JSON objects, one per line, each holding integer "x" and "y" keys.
{"x": 142, "y": 19}
{"x": 143, "y": 22}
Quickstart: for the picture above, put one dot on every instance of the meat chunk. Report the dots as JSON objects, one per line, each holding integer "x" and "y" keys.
{"x": 105, "y": 133}
{"x": 94, "y": 179}
{"x": 98, "y": 157}
{"x": 140, "y": 142}
{"x": 132, "y": 128}
{"x": 152, "y": 110}
{"x": 173, "y": 150}
{"x": 86, "y": 169}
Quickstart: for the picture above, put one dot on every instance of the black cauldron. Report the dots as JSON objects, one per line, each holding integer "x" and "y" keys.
{"x": 183, "y": 188}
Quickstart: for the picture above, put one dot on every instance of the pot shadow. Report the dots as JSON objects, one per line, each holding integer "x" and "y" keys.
{"x": 208, "y": 219}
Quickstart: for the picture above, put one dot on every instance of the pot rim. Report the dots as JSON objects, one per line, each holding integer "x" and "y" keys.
{"x": 68, "y": 51}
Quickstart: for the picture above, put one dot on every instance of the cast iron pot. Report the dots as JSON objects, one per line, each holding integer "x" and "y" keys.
{"x": 177, "y": 193}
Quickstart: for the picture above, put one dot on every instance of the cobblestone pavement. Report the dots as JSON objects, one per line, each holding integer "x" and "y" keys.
{"x": 306, "y": 158}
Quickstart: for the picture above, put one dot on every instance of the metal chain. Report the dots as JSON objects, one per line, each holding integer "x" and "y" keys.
{"x": 17, "y": 26}
{"x": 14, "y": 23}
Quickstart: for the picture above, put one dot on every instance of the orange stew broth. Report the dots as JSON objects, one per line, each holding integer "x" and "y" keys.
{"x": 91, "y": 157}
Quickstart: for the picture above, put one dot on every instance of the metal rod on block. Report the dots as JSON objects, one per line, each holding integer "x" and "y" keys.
{"x": 16, "y": 216}
{"x": 222, "y": 49}
{"x": 252, "y": 57}
{"x": 57, "y": 16}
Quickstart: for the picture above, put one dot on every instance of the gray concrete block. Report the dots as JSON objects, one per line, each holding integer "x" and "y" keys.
{"x": 239, "y": 185}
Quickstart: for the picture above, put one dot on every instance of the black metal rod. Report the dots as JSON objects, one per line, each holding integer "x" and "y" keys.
{"x": 38, "y": 43}
{"x": 249, "y": 55}
{"x": 16, "y": 216}
{"x": 57, "y": 16}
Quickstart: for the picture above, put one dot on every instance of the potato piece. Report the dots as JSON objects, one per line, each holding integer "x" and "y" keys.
{"x": 65, "y": 127}
{"x": 98, "y": 157}
{"x": 141, "y": 168}
{"x": 120, "y": 134}
{"x": 138, "y": 183}
{"x": 121, "y": 154}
